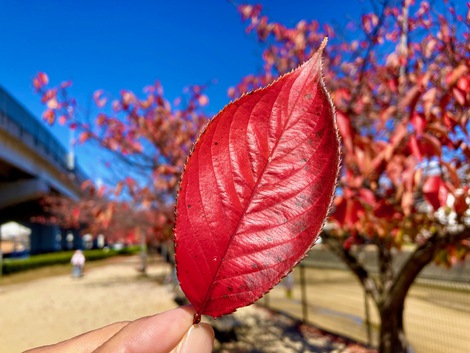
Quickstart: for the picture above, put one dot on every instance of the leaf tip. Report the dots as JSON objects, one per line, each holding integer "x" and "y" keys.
{"x": 323, "y": 44}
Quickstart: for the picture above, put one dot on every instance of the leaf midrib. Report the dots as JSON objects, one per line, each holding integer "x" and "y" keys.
{"x": 209, "y": 290}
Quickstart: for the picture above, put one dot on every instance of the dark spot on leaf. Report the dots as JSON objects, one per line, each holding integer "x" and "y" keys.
{"x": 243, "y": 287}
{"x": 306, "y": 197}
{"x": 299, "y": 226}
{"x": 230, "y": 288}
{"x": 216, "y": 143}
{"x": 299, "y": 203}
{"x": 308, "y": 96}
{"x": 254, "y": 266}
{"x": 189, "y": 206}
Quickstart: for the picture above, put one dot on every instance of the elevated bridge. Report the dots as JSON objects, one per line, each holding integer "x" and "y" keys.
{"x": 33, "y": 163}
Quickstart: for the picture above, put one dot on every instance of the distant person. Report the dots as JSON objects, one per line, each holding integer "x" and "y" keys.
{"x": 78, "y": 263}
{"x": 288, "y": 284}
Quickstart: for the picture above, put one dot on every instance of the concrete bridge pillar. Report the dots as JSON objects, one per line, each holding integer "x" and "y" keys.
{"x": 77, "y": 239}
{"x": 44, "y": 238}
{"x": 71, "y": 239}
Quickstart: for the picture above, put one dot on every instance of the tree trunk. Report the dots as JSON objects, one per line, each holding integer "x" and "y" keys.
{"x": 392, "y": 336}
{"x": 390, "y": 292}
{"x": 143, "y": 251}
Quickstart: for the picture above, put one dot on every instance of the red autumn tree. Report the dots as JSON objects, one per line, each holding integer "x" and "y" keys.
{"x": 97, "y": 213}
{"x": 147, "y": 139}
{"x": 401, "y": 86}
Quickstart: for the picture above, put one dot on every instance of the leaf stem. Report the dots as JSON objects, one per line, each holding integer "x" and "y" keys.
{"x": 197, "y": 318}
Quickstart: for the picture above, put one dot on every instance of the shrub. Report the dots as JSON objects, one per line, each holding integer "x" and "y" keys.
{"x": 11, "y": 266}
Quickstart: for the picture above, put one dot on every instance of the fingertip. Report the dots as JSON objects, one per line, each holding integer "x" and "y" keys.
{"x": 209, "y": 331}
{"x": 165, "y": 329}
{"x": 199, "y": 339}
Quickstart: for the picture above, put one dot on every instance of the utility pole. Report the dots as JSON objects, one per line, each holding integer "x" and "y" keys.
{"x": 403, "y": 46}
{"x": 1, "y": 254}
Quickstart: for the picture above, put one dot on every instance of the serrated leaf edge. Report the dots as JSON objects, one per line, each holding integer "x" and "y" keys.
{"x": 338, "y": 138}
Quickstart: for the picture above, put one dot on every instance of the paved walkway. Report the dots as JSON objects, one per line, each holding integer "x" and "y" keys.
{"x": 52, "y": 309}
{"x": 437, "y": 315}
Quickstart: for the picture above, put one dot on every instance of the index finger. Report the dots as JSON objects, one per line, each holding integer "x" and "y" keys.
{"x": 154, "y": 334}
{"x": 84, "y": 343}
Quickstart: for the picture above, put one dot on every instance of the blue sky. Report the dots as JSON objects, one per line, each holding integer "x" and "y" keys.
{"x": 114, "y": 45}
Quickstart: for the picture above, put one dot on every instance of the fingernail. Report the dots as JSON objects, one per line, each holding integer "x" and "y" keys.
{"x": 199, "y": 339}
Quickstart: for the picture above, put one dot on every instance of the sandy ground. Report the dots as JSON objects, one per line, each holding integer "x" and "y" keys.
{"x": 52, "y": 309}
{"x": 437, "y": 317}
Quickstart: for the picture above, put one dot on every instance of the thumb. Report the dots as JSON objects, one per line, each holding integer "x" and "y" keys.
{"x": 198, "y": 339}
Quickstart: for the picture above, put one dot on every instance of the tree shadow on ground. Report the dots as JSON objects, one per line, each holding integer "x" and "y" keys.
{"x": 265, "y": 331}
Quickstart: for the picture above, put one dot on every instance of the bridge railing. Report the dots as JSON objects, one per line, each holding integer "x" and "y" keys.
{"x": 23, "y": 124}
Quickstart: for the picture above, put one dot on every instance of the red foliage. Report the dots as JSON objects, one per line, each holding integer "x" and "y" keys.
{"x": 256, "y": 190}
{"x": 148, "y": 138}
{"x": 402, "y": 107}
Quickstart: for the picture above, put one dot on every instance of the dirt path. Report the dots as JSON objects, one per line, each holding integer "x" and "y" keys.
{"x": 52, "y": 309}
{"x": 437, "y": 318}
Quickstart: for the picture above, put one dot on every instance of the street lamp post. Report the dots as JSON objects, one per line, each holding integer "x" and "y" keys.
{"x": 1, "y": 254}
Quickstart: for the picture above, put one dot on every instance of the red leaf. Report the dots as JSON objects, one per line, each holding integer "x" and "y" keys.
{"x": 203, "y": 100}
{"x": 384, "y": 210}
{"x": 418, "y": 123}
{"x": 40, "y": 80}
{"x": 435, "y": 191}
{"x": 99, "y": 99}
{"x": 460, "y": 203}
{"x": 347, "y": 212}
{"x": 256, "y": 190}
{"x": 415, "y": 148}
{"x": 369, "y": 21}
{"x": 83, "y": 137}
{"x": 49, "y": 116}
{"x": 346, "y": 130}
{"x": 431, "y": 145}
{"x": 62, "y": 119}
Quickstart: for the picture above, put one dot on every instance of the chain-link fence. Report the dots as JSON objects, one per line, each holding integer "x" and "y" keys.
{"x": 327, "y": 295}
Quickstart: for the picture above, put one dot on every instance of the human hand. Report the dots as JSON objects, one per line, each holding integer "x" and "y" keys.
{"x": 168, "y": 332}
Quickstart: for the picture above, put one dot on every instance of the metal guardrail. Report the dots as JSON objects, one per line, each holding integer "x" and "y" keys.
{"x": 327, "y": 295}
{"x": 320, "y": 257}
{"x": 12, "y": 112}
